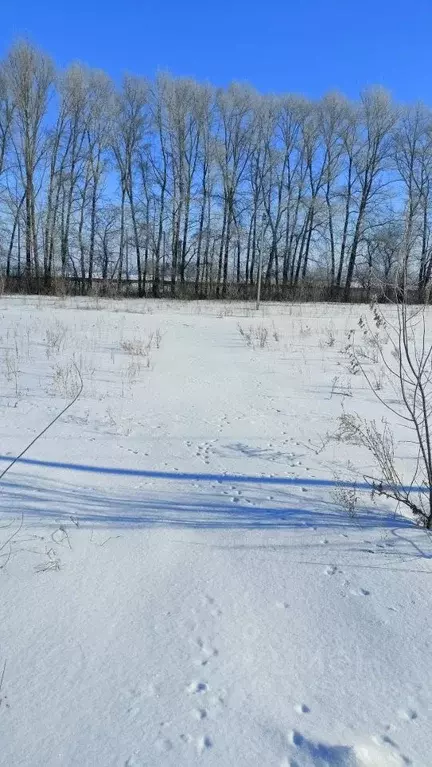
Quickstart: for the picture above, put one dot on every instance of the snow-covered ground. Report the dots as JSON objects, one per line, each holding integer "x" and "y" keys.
{"x": 166, "y": 600}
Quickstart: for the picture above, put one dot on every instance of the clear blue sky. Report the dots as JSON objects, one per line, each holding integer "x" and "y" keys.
{"x": 304, "y": 46}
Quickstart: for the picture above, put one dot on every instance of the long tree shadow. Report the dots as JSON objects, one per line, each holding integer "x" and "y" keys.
{"x": 181, "y": 507}
{"x": 178, "y": 476}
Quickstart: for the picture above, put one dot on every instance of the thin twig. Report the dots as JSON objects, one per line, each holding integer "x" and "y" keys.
{"x": 59, "y": 415}
{"x": 2, "y": 676}
{"x": 11, "y": 537}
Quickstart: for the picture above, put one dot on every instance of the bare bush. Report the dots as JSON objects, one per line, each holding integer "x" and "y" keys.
{"x": 261, "y": 334}
{"x": 410, "y": 377}
{"x": 330, "y": 338}
{"x": 226, "y": 312}
{"x": 275, "y": 333}
{"x": 255, "y": 337}
{"x": 158, "y": 335}
{"x": 11, "y": 362}
{"x": 135, "y": 347}
{"x": 135, "y": 366}
{"x": 347, "y": 498}
{"x": 377, "y": 380}
{"x": 133, "y": 370}
{"x": 141, "y": 347}
{"x": 66, "y": 379}
{"x": 54, "y": 339}
{"x": 245, "y": 334}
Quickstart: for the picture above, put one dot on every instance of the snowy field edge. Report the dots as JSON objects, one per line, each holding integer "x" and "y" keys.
{"x": 210, "y": 600}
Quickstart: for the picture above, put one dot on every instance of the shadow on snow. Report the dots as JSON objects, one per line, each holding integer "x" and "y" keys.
{"x": 199, "y": 477}
{"x": 149, "y": 507}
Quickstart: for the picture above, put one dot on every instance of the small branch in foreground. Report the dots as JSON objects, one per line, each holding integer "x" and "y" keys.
{"x": 2, "y": 675}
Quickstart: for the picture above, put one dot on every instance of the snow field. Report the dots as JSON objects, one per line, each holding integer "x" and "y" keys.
{"x": 175, "y": 613}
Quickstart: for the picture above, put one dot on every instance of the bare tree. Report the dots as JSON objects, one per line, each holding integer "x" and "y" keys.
{"x": 378, "y": 270}
{"x": 129, "y": 128}
{"x": 197, "y": 168}
{"x": 98, "y": 131}
{"x": 159, "y": 159}
{"x": 413, "y": 157}
{"x": 205, "y": 169}
{"x": 378, "y": 117}
{"x": 6, "y": 114}
{"x": 30, "y": 75}
{"x": 331, "y": 122}
{"x": 234, "y": 108}
{"x": 69, "y": 160}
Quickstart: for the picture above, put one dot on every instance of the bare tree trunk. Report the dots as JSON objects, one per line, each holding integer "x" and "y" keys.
{"x": 122, "y": 235}
{"x": 227, "y": 247}
{"x": 353, "y": 251}
{"x": 12, "y": 237}
{"x": 345, "y": 228}
{"x": 28, "y": 234}
{"x": 221, "y": 252}
{"x": 200, "y": 235}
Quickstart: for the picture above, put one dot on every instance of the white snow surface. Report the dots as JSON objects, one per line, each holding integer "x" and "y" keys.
{"x": 160, "y": 619}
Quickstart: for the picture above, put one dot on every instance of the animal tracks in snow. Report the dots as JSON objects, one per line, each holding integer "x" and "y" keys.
{"x": 207, "y": 652}
{"x": 308, "y": 753}
{"x": 282, "y": 605}
{"x": 203, "y": 744}
{"x": 197, "y": 688}
{"x": 408, "y": 715}
{"x": 206, "y": 699}
{"x": 302, "y": 708}
{"x": 332, "y": 570}
{"x": 200, "y": 713}
{"x": 210, "y": 602}
{"x": 164, "y": 744}
{"x": 378, "y": 752}
{"x": 236, "y": 496}
{"x": 375, "y": 751}
{"x": 203, "y": 451}
{"x": 359, "y": 592}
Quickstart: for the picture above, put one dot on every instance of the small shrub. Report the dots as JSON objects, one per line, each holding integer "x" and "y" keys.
{"x": 11, "y": 361}
{"x": 347, "y": 499}
{"x": 377, "y": 381}
{"x": 135, "y": 347}
{"x": 66, "y": 379}
{"x": 158, "y": 338}
{"x": 261, "y": 335}
{"x": 255, "y": 337}
{"x": 247, "y": 335}
{"x": 330, "y": 336}
{"x": 55, "y": 338}
{"x": 275, "y": 333}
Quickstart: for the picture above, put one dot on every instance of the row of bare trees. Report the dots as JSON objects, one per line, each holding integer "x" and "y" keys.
{"x": 182, "y": 187}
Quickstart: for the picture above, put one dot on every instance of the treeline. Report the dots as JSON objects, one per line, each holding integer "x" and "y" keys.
{"x": 181, "y": 188}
